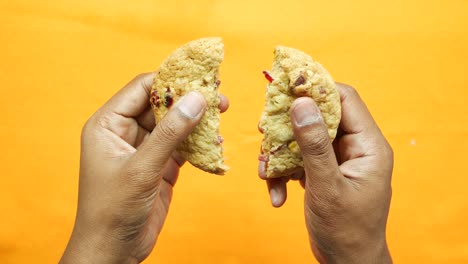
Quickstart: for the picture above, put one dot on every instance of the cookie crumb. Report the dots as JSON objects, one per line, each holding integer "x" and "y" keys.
{"x": 294, "y": 147}
{"x": 322, "y": 91}
{"x": 277, "y": 148}
{"x": 168, "y": 100}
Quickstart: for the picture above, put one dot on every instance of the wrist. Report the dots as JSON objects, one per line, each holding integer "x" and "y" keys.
{"x": 93, "y": 248}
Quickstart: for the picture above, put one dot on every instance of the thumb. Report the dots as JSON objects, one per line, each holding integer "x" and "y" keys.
{"x": 320, "y": 165}
{"x": 174, "y": 128}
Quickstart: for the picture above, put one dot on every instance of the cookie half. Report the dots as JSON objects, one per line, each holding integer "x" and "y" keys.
{"x": 294, "y": 74}
{"x": 194, "y": 67}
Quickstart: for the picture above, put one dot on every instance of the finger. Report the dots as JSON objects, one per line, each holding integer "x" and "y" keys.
{"x": 177, "y": 157}
{"x": 361, "y": 135}
{"x": 169, "y": 133}
{"x": 223, "y": 103}
{"x": 259, "y": 128}
{"x": 336, "y": 146}
{"x": 311, "y": 134}
{"x": 355, "y": 117}
{"x": 146, "y": 119}
{"x": 262, "y": 169}
{"x": 302, "y": 181}
{"x": 136, "y": 141}
{"x": 277, "y": 190}
{"x": 133, "y": 99}
{"x": 171, "y": 170}
{"x": 297, "y": 175}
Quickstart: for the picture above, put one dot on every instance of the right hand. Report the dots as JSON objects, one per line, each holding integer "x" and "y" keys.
{"x": 347, "y": 183}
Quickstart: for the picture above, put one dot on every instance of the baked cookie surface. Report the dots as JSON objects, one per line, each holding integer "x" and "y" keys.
{"x": 194, "y": 67}
{"x": 294, "y": 74}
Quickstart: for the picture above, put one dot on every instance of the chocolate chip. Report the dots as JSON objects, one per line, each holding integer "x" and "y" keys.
{"x": 168, "y": 100}
{"x": 300, "y": 81}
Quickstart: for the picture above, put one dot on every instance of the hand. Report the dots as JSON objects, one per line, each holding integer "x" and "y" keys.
{"x": 347, "y": 183}
{"x": 128, "y": 169}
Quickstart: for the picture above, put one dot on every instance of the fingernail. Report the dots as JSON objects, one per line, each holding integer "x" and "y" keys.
{"x": 306, "y": 112}
{"x": 274, "y": 196}
{"x": 192, "y": 104}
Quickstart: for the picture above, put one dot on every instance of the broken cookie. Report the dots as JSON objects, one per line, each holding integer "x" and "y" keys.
{"x": 194, "y": 67}
{"x": 294, "y": 74}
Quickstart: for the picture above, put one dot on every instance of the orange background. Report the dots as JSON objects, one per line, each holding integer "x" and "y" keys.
{"x": 61, "y": 60}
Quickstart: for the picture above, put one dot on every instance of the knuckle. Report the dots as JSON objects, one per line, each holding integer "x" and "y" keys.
{"x": 98, "y": 121}
{"x": 389, "y": 151}
{"x": 385, "y": 150}
{"x": 86, "y": 127}
{"x": 144, "y": 79}
{"x": 348, "y": 91}
{"x": 140, "y": 77}
{"x": 95, "y": 121}
{"x": 103, "y": 120}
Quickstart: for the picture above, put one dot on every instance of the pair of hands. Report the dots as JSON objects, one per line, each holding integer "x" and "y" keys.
{"x": 129, "y": 167}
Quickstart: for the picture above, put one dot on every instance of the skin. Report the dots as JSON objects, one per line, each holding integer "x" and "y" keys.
{"x": 347, "y": 183}
{"x": 129, "y": 167}
{"x": 128, "y": 170}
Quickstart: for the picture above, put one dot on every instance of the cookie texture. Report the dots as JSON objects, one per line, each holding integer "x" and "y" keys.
{"x": 294, "y": 74}
{"x": 194, "y": 67}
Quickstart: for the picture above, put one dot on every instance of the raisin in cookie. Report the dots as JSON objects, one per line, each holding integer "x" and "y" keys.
{"x": 294, "y": 74}
{"x": 194, "y": 67}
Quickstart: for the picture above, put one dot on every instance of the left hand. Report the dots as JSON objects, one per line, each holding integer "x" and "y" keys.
{"x": 127, "y": 172}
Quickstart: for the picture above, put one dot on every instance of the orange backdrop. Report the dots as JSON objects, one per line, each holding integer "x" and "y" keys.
{"x": 61, "y": 60}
